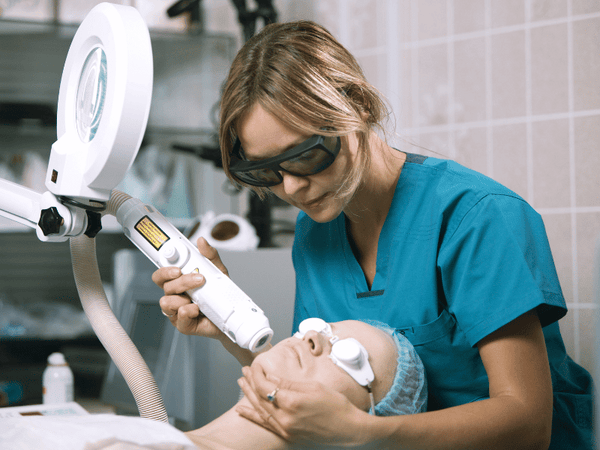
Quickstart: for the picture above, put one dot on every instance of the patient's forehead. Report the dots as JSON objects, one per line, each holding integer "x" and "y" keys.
{"x": 361, "y": 331}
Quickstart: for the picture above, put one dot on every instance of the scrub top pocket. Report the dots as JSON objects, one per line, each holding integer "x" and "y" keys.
{"x": 455, "y": 372}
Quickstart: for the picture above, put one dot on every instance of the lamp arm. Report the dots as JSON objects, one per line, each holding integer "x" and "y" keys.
{"x": 52, "y": 220}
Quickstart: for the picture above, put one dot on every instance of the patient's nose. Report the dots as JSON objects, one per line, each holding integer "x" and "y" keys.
{"x": 316, "y": 341}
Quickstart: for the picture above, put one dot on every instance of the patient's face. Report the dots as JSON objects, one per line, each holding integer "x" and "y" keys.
{"x": 307, "y": 359}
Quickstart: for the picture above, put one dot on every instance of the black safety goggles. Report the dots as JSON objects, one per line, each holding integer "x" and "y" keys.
{"x": 308, "y": 158}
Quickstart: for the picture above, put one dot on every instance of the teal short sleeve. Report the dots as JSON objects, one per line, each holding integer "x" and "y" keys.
{"x": 496, "y": 264}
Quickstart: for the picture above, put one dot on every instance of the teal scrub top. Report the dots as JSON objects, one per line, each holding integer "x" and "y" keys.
{"x": 458, "y": 257}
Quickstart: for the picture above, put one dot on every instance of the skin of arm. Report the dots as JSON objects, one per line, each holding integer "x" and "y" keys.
{"x": 233, "y": 432}
{"x": 518, "y": 414}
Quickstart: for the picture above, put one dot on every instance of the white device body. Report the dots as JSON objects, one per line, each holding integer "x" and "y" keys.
{"x": 219, "y": 299}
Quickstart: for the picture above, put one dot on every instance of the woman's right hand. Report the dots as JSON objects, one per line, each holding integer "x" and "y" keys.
{"x": 177, "y": 305}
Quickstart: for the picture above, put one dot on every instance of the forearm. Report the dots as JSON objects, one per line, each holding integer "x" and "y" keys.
{"x": 497, "y": 423}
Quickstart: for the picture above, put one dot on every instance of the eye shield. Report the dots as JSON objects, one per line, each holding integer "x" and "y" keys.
{"x": 312, "y": 156}
{"x": 348, "y": 354}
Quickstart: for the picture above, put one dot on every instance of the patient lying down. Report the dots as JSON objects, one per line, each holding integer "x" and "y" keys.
{"x": 394, "y": 374}
{"x": 398, "y": 383}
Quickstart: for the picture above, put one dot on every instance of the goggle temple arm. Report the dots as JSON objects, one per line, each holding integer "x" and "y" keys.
{"x": 371, "y": 398}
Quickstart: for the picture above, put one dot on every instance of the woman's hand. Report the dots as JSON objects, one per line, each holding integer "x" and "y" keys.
{"x": 301, "y": 412}
{"x": 177, "y": 305}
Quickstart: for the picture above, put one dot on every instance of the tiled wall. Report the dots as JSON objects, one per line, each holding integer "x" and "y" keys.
{"x": 510, "y": 88}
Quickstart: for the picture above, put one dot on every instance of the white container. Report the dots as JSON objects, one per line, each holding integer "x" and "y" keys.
{"x": 57, "y": 380}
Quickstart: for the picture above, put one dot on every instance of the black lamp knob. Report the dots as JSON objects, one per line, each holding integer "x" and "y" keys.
{"x": 50, "y": 221}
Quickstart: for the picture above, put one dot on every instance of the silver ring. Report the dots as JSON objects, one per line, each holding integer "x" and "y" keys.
{"x": 166, "y": 315}
{"x": 271, "y": 396}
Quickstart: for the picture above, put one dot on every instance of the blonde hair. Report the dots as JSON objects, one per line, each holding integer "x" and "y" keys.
{"x": 299, "y": 73}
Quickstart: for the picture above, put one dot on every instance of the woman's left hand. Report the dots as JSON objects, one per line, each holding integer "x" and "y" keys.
{"x": 301, "y": 412}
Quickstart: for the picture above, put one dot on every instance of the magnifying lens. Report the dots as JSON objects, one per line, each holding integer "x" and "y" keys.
{"x": 103, "y": 104}
{"x": 91, "y": 93}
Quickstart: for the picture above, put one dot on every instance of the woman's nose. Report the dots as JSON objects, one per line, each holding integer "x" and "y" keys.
{"x": 293, "y": 183}
{"x": 316, "y": 341}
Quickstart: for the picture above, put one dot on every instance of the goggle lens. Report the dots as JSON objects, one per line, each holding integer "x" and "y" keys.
{"x": 259, "y": 177}
{"x": 308, "y": 158}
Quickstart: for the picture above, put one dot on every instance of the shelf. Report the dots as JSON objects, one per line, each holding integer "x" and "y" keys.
{"x": 22, "y": 28}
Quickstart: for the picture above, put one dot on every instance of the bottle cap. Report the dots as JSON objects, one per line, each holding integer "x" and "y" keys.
{"x": 57, "y": 359}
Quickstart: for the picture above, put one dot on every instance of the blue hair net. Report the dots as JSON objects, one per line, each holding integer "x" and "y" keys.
{"x": 408, "y": 394}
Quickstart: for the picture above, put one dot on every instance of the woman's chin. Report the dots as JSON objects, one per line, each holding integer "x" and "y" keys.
{"x": 322, "y": 215}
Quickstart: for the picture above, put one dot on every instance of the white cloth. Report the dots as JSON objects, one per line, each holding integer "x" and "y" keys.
{"x": 90, "y": 432}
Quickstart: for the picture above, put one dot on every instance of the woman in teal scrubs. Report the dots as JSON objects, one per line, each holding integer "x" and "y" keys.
{"x": 454, "y": 261}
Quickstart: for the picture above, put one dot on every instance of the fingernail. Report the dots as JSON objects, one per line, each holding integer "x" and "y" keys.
{"x": 198, "y": 277}
{"x": 174, "y": 272}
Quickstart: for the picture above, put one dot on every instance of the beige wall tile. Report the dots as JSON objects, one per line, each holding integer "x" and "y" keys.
{"x": 587, "y": 161}
{"x": 469, "y": 80}
{"x": 469, "y": 16}
{"x": 510, "y": 157}
{"x": 558, "y": 229}
{"x": 434, "y": 144}
{"x": 508, "y": 75}
{"x": 471, "y": 148}
{"x": 587, "y": 338}
{"x": 405, "y": 117}
{"x": 404, "y": 19}
{"x": 549, "y": 69}
{"x": 433, "y": 85}
{"x": 375, "y": 69}
{"x": 507, "y": 12}
{"x": 551, "y": 174}
{"x": 367, "y": 18}
{"x": 327, "y": 13}
{"x": 548, "y": 9}
{"x": 432, "y": 19}
{"x": 588, "y": 233}
{"x": 585, "y": 6}
{"x": 586, "y": 63}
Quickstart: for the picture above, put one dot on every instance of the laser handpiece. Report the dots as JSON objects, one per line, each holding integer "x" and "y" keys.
{"x": 219, "y": 299}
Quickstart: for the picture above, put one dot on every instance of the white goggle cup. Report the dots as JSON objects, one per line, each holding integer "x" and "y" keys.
{"x": 348, "y": 354}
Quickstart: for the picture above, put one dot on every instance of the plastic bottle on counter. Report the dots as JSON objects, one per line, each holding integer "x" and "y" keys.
{"x": 57, "y": 380}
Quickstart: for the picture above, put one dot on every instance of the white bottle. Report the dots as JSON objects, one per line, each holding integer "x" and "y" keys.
{"x": 57, "y": 380}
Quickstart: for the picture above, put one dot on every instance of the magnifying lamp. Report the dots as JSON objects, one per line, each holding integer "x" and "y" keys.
{"x": 103, "y": 104}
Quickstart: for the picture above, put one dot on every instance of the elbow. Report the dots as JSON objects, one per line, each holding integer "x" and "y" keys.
{"x": 539, "y": 434}
{"x": 546, "y": 437}
{"x": 542, "y": 441}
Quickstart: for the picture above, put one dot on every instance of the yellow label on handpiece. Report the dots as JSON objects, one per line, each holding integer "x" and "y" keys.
{"x": 151, "y": 232}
